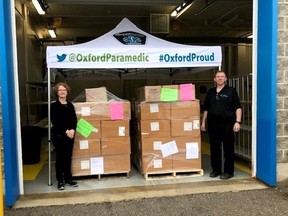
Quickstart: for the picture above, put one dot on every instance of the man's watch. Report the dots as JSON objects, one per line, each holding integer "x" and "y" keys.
{"x": 238, "y": 122}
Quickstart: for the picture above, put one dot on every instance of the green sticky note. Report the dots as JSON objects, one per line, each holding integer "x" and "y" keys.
{"x": 169, "y": 94}
{"x": 84, "y": 127}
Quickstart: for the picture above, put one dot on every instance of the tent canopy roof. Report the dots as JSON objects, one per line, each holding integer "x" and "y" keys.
{"x": 127, "y": 46}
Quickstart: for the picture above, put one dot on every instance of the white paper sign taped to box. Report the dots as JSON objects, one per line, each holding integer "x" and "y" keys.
{"x": 97, "y": 165}
{"x": 192, "y": 150}
{"x": 169, "y": 148}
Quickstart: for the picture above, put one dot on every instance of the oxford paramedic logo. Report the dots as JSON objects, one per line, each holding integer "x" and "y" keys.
{"x": 61, "y": 58}
{"x": 130, "y": 38}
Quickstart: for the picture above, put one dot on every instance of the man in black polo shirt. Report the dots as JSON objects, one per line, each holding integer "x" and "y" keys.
{"x": 222, "y": 112}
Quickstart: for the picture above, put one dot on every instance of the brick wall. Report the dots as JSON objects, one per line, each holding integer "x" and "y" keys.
{"x": 282, "y": 92}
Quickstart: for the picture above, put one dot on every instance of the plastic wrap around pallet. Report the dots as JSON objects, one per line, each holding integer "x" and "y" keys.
{"x": 102, "y": 140}
{"x": 100, "y": 104}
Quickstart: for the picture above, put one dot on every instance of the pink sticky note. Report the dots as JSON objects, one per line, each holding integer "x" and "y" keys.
{"x": 116, "y": 110}
{"x": 187, "y": 92}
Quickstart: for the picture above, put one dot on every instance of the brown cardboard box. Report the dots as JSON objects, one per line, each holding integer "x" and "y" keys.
{"x": 96, "y": 94}
{"x": 184, "y": 142}
{"x": 86, "y": 147}
{"x": 117, "y": 128}
{"x": 96, "y": 133}
{"x": 151, "y": 145}
{"x": 117, "y": 163}
{"x": 181, "y": 163}
{"x": 149, "y": 93}
{"x": 170, "y": 86}
{"x": 82, "y": 166}
{"x": 155, "y": 128}
{"x": 99, "y": 110}
{"x": 185, "y": 127}
{"x": 185, "y": 109}
{"x": 118, "y": 145}
{"x": 95, "y": 165}
{"x": 150, "y": 110}
{"x": 156, "y": 164}
{"x": 92, "y": 110}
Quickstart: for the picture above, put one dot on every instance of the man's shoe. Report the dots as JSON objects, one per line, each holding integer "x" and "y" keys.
{"x": 214, "y": 174}
{"x": 226, "y": 176}
{"x": 61, "y": 186}
{"x": 72, "y": 183}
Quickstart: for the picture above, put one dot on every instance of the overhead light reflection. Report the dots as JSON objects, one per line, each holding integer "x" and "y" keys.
{"x": 40, "y": 6}
{"x": 181, "y": 9}
{"x": 52, "y": 33}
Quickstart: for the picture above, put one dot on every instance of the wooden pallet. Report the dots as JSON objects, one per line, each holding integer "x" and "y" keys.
{"x": 127, "y": 173}
{"x": 174, "y": 174}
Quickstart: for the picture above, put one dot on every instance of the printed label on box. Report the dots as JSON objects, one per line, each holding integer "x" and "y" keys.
{"x": 157, "y": 145}
{"x": 154, "y": 126}
{"x": 188, "y": 126}
{"x": 84, "y": 144}
{"x": 154, "y": 108}
{"x": 85, "y": 111}
{"x": 196, "y": 124}
{"x": 157, "y": 163}
{"x": 85, "y": 165}
{"x": 121, "y": 131}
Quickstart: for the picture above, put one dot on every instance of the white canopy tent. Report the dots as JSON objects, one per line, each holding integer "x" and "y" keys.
{"x": 127, "y": 46}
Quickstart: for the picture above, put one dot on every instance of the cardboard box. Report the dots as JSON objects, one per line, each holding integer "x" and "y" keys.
{"x": 102, "y": 110}
{"x": 118, "y": 145}
{"x": 117, "y": 163}
{"x": 95, "y": 165}
{"x": 82, "y": 166}
{"x": 156, "y": 164}
{"x": 86, "y": 147}
{"x": 185, "y": 127}
{"x": 96, "y": 94}
{"x": 152, "y": 145}
{"x": 188, "y": 143}
{"x": 117, "y": 128}
{"x": 185, "y": 109}
{"x": 149, "y": 93}
{"x": 155, "y": 110}
{"x": 182, "y": 163}
{"x": 155, "y": 128}
{"x": 92, "y": 110}
{"x": 95, "y": 134}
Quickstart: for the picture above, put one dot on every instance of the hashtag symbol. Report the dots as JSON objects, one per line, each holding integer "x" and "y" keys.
{"x": 161, "y": 58}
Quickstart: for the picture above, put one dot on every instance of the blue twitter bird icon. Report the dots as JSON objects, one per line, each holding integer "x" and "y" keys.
{"x": 61, "y": 57}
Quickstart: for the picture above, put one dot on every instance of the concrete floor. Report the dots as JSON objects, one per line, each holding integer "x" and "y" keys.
{"x": 120, "y": 187}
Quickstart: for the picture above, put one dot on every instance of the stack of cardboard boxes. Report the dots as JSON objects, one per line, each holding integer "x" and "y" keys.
{"x": 102, "y": 140}
{"x": 168, "y": 130}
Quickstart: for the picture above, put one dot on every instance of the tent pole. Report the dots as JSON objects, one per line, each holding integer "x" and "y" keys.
{"x": 49, "y": 129}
